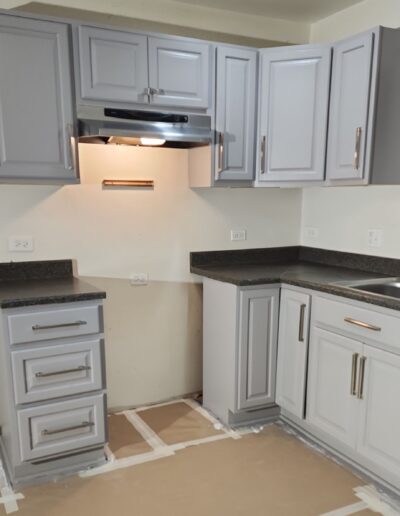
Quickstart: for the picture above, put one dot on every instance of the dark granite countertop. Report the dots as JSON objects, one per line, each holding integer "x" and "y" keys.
{"x": 46, "y": 282}
{"x": 302, "y": 267}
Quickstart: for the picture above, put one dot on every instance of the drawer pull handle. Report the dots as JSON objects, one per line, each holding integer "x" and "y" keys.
{"x": 36, "y": 327}
{"x": 361, "y": 378}
{"x": 65, "y": 371}
{"x": 221, "y": 153}
{"x": 263, "y": 154}
{"x": 362, "y": 324}
{"x": 85, "y": 424}
{"x": 301, "y": 322}
{"x": 353, "y": 388}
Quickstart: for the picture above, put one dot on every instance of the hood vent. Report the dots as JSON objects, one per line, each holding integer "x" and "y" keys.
{"x": 148, "y": 128}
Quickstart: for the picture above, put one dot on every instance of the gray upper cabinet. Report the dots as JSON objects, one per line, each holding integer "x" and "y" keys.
{"x": 113, "y": 65}
{"x": 235, "y": 113}
{"x": 37, "y": 122}
{"x": 258, "y": 333}
{"x": 350, "y": 99}
{"x": 179, "y": 72}
{"x": 294, "y": 96}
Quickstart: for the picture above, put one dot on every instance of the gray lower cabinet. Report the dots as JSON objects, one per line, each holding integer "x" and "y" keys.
{"x": 235, "y": 113}
{"x": 37, "y": 113}
{"x": 52, "y": 389}
{"x": 293, "y": 114}
{"x": 294, "y": 316}
{"x": 240, "y": 328}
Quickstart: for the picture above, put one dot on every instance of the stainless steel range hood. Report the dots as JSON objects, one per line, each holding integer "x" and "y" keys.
{"x": 137, "y": 127}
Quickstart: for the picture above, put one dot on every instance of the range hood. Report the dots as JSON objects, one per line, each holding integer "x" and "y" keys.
{"x": 138, "y": 127}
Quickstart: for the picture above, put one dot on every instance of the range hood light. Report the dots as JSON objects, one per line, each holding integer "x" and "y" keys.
{"x": 152, "y": 142}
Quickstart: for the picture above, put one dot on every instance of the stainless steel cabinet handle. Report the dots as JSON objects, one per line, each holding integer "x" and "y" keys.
{"x": 64, "y": 371}
{"x": 301, "y": 322}
{"x": 36, "y": 327}
{"x": 362, "y": 324}
{"x": 263, "y": 153}
{"x": 353, "y": 388}
{"x": 157, "y": 91}
{"x": 360, "y": 393}
{"x": 85, "y": 424}
{"x": 70, "y": 149}
{"x": 221, "y": 152}
{"x": 356, "y": 160}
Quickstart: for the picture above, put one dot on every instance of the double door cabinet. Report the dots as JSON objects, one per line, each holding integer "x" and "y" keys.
{"x": 330, "y": 365}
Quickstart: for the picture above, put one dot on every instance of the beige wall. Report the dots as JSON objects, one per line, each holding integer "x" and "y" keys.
{"x": 153, "y": 332}
{"x": 197, "y": 17}
{"x": 343, "y": 215}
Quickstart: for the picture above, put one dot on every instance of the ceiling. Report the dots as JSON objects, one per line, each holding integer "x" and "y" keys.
{"x": 296, "y": 10}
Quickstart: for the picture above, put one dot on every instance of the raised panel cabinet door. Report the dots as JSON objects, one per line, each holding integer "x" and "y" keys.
{"x": 379, "y": 427}
{"x": 235, "y": 113}
{"x": 179, "y": 73}
{"x": 348, "y": 117}
{"x": 294, "y": 97}
{"x": 332, "y": 404}
{"x": 113, "y": 65}
{"x": 292, "y": 351}
{"x": 258, "y": 333}
{"x": 37, "y": 117}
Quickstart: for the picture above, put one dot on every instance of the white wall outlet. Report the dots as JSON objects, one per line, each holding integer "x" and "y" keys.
{"x": 238, "y": 234}
{"x": 375, "y": 238}
{"x": 20, "y": 244}
{"x": 139, "y": 278}
{"x": 311, "y": 232}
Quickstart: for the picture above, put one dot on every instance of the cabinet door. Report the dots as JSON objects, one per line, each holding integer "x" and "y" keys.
{"x": 235, "y": 113}
{"x": 36, "y": 108}
{"x": 379, "y": 428}
{"x": 113, "y": 65}
{"x": 179, "y": 73}
{"x": 350, "y": 99}
{"x": 294, "y": 111}
{"x": 292, "y": 351}
{"x": 332, "y": 404}
{"x": 258, "y": 332}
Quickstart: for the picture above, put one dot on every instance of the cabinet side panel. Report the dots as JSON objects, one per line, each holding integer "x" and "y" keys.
{"x": 386, "y": 158}
{"x": 219, "y": 343}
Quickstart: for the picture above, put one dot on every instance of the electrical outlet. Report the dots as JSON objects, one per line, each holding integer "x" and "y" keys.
{"x": 20, "y": 244}
{"x": 238, "y": 234}
{"x": 310, "y": 232}
{"x": 375, "y": 237}
{"x": 139, "y": 278}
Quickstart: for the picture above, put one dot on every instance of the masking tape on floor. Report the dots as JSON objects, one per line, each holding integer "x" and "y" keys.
{"x": 349, "y": 509}
{"x": 376, "y": 501}
{"x": 145, "y": 431}
{"x": 8, "y": 498}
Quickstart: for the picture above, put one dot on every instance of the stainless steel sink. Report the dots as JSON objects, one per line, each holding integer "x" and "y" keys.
{"x": 389, "y": 287}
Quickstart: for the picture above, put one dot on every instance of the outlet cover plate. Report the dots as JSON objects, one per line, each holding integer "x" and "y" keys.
{"x": 20, "y": 244}
{"x": 238, "y": 234}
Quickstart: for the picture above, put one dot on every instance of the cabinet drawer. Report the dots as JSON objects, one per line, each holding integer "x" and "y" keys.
{"x": 55, "y": 371}
{"x": 362, "y": 323}
{"x": 61, "y": 427}
{"x": 54, "y": 323}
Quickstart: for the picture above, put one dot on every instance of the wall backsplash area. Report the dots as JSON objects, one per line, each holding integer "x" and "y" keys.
{"x": 155, "y": 330}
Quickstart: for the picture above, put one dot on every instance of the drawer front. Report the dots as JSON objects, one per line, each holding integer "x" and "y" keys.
{"x": 54, "y": 323}
{"x": 358, "y": 322}
{"x": 54, "y": 371}
{"x": 61, "y": 427}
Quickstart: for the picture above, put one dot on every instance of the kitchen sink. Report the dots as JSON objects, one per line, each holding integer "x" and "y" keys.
{"x": 390, "y": 287}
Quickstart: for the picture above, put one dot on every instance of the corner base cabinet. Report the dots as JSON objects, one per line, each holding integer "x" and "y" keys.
{"x": 240, "y": 341}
